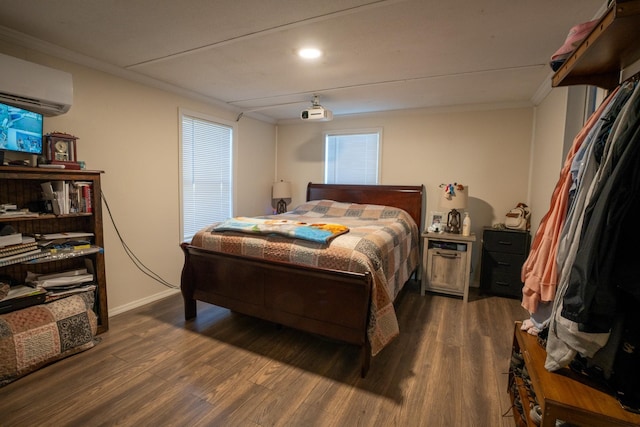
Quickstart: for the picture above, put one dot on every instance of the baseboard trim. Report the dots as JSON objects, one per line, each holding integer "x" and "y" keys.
{"x": 139, "y": 303}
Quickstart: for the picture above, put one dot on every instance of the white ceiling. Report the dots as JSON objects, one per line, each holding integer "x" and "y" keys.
{"x": 378, "y": 55}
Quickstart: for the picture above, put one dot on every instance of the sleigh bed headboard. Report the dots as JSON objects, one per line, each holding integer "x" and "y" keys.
{"x": 407, "y": 197}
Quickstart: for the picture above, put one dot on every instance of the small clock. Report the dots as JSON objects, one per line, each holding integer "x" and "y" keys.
{"x": 61, "y": 148}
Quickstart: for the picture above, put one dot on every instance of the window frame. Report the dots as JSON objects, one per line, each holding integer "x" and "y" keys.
{"x": 182, "y": 112}
{"x": 346, "y": 132}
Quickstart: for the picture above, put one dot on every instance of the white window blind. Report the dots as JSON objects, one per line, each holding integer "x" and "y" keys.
{"x": 207, "y": 149}
{"x": 352, "y": 158}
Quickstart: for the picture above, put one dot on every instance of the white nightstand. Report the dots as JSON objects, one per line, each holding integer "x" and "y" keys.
{"x": 446, "y": 263}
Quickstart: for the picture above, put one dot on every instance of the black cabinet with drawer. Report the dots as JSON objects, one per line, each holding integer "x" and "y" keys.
{"x": 503, "y": 253}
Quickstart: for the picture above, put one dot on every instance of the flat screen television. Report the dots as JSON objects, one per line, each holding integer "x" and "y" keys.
{"x": 20, "y": 130}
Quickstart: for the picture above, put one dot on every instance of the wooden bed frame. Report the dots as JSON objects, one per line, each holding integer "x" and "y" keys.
{"x": 331, "y": 303}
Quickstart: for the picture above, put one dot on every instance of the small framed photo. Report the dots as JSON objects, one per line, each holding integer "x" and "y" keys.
{"x": 437, "y": 222}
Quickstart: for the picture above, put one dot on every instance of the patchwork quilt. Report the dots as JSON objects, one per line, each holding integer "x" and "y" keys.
{"x": 36, "y": 336}
{"x": 381, "y": 240}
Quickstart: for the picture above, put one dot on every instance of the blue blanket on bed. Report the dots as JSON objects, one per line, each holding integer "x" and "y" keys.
{"x": 317, "y": 232}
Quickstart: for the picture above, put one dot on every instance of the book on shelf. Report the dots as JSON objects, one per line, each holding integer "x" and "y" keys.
{"x": 65, "y": 241}
{"x": 67, "y": 197}
{"x": 71, "y": 252}
{"x": 66, "y": 235}
{"x": 53, "y": 193}
{"x": 31, "y": 277}
{"x": 10, "y": 239}
{"x": 22, "y": 296}
{"x": 23, "y": 257}
{"x": 10, "y": 210}
{"x": 18, "y": 249}
{"x": 56, "y": 245}
{"x": 78, "y": 246}
{"x": 63, "y": 283}
{"x": 19, "y": 214}
{"x": 83, "y": 194}
{"x": 58, "y": 254}
{"x": 57, "y": 294}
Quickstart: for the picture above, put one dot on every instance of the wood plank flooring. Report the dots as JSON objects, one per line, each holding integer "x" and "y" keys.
{"x": 448, "y": 367}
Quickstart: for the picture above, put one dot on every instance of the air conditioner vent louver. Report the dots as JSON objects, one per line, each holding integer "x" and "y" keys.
{"x": 13, "y": 99}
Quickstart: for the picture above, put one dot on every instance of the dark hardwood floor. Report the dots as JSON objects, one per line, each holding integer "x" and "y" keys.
{"x": 448, "y": 367}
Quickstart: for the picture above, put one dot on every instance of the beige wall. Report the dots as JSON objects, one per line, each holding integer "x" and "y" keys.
{"x": 130, "y": 131}
{"x": 546, "y": 156}
{"x": 488, "y": 150}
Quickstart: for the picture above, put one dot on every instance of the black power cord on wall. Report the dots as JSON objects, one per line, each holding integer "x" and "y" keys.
{"x": 139, "y": 264}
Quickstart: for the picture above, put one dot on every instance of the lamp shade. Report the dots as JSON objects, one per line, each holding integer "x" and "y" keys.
{"x": 281, "y": 190}
{"x": 454, "y": 196}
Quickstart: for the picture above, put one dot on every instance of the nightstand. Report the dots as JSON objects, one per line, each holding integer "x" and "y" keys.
{"x": 446, "y": 263}
{"x": 503, "y": 254}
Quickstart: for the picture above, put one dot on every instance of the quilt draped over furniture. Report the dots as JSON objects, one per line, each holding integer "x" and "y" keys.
{"x": 39, "y": 335}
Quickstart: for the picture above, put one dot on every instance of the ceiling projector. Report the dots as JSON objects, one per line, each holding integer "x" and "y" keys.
{"x": 316, "y": 112}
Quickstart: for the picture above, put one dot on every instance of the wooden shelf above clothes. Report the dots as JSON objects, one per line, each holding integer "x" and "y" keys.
{"x": 611, "y": 47}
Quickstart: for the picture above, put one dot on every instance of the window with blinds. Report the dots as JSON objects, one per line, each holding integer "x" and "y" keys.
{"x": 352, "y": 158}
{"x": 206, "y": 153}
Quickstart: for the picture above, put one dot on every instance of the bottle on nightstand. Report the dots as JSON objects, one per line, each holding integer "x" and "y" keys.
{"x": 466, "y": 225}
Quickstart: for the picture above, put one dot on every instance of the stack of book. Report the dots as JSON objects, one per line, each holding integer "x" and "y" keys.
{"x": 62, "y": 284}
{"x": 66, "y": 245}
{"x": 15, "y": 248}
{"x": 41, "y": 288}
{"x": 46, "y": 247}
{"x": 8, "y": 237}
{"x": 81, "y": 196}
{"x": 9, "y": 210}
{"x": 67, "y": 197}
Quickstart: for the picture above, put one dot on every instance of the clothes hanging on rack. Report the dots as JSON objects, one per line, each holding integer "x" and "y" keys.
{"x": 539, "y": 271}
{"x": 589, "y": 298}
{"x": 566, "y": 337}
{"x": 584, "y": 166}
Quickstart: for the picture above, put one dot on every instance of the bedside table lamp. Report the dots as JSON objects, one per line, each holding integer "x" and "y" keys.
{"x": 281, "y": 191}
{"x": 454, "y": 197}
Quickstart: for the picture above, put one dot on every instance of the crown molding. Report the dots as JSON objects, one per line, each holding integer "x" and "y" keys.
{"x": 20, "y": 39}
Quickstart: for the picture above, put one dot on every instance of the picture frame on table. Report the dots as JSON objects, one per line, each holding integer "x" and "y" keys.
{"x": 437, "y": 222}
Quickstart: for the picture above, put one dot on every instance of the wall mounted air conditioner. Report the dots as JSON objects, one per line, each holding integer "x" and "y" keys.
{"x": 35, "y": 87}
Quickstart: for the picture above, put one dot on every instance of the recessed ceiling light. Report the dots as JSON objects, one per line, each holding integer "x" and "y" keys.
{"x": 310, "y": 53}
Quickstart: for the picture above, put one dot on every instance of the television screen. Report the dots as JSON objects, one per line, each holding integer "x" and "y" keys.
{"x": 20, "y": 130}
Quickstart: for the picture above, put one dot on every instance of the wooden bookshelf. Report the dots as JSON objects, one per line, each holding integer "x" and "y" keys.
{"x": 21, "y": 185}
